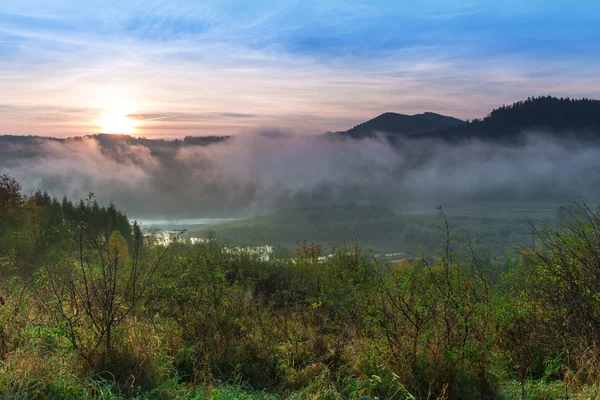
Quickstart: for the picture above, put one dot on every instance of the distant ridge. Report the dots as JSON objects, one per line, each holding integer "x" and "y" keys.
{"x": 545, "y": 115}
{"x": 402, "y": 125}
{"x": 14, "y": 146}
{"x": 112, "y": 139}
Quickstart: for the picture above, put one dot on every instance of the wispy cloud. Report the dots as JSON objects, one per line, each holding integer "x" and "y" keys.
{"x": 262, "y": 63}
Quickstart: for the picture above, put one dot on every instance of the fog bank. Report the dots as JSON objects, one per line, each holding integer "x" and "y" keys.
{"x": 262, "y": 171}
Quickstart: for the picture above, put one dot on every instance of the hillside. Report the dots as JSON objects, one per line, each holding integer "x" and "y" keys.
{"x": 546, "y": 114}
{"x": 381, "y": 229}
{"x": 402, "y": 125}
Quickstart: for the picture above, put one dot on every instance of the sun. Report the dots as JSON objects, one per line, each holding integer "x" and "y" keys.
{"x": 116, "y": 122}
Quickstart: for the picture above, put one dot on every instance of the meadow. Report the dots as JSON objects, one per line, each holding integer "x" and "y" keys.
{"x": 92, "y": 306}
{"x": 495, "y": 229}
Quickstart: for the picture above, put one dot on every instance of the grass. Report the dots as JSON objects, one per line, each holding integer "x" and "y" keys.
{"x": 217, "y": 324}
{"x": 544, "y": 390}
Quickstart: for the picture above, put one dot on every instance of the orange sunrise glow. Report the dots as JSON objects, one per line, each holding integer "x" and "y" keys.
{"x": 116, "y": 122}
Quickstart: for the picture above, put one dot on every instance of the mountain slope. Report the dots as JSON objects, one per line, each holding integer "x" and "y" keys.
{"x": 403, "y": 125}
{"x": 544, "y": 115}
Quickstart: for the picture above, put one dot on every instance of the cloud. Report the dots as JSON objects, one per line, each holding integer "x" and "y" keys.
{"x": 265, "y": 170}
{"x": 339, "y": 62}
{"x": 189, "y": 117}
{"x": 76, "y": 167}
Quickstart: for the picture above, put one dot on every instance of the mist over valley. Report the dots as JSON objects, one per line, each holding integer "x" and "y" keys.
{"x": 233, "y": 177}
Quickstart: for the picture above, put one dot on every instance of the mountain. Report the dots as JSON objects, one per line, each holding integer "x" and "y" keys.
{"x": 403, "y": 125}
{"x": 545, "y": 115}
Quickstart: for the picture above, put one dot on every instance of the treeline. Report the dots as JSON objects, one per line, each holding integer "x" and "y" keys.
{"x": 33, "y": 227}
{"x": 29, "y": 147}
{"x": 107, "y": 140}
{"x": 156, "y": 318}
{"x": 545, "y": 114}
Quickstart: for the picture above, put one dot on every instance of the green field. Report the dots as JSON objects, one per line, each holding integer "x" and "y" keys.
{"x": 492, "y": 228}
{"x": 92, "y": 306}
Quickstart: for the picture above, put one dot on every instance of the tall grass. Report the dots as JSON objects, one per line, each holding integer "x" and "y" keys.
{"x": 213, "y": 323}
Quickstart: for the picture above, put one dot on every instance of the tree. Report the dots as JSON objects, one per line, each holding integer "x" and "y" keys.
{"x": 436, "y": 317}
{"x": 565, "y": 276}
{"x": 11, "y": 199}
{"x": 100, "y": 289}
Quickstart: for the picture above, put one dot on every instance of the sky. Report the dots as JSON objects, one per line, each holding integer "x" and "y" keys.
{"x": 187, "y": 67}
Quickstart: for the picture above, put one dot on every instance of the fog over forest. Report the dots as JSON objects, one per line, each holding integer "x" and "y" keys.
{"x": 262, "y": 171}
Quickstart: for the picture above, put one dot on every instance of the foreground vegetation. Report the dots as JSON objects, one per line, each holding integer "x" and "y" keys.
{"x": 92, "y": 307}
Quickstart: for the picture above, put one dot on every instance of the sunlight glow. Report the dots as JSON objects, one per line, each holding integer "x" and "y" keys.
{"x": 116, "y": 122}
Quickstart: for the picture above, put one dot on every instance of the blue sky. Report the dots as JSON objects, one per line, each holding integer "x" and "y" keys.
{"x": 213, "y": 67}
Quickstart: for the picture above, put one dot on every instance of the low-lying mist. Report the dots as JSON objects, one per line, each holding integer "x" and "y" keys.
{"x": 261, "y": 171}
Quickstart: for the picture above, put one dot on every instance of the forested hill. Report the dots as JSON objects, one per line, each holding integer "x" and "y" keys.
{"x": 108, "y": 139}
{"x": 402, "y": 125}
{"x": 546, "y": 115}
{"x": 19, "y": 147}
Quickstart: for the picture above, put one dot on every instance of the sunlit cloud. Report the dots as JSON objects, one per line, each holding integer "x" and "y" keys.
{"x": 338, "y": 63}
